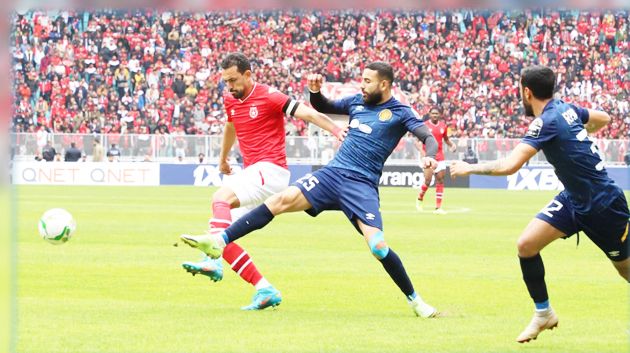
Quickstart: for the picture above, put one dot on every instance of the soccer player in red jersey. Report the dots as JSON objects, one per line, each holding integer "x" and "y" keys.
{"x": 256, "y": 118}
{"x": 439, "y": 129}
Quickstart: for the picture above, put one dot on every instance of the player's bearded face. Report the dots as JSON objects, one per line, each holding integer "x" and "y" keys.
{"x": 370, "y": 87}
{"x": 372, "y": 98}
{"x": 236, "y": 81}
{"x": 529, "y": 110}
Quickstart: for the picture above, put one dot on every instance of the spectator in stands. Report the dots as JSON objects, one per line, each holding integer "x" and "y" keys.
{"x": 48, "y": 152}
{"x": 97, "y": 151}
{"x": 73, "y": 154}
{"x": 467, "y": 62}
{"x": 113, "y": 153}
{"x": 470, "y": 156}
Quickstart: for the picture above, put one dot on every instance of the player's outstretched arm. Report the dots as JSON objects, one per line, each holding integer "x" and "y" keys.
{"x": 505, "y": 166}
{"x": 597, "y": 119}
{"x": 229, "y": 136}
{"x": 313, "y": 116}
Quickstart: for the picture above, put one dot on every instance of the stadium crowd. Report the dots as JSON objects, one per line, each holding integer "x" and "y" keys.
{"x": 148, "y": 72}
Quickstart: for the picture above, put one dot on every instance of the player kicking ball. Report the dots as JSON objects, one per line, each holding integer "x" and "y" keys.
{"x": 591, "y": 202}
{"x": 350, "y": 181}
{"x": 256, "y": 118}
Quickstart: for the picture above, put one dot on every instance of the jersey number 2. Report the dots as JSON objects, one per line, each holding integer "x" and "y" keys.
{"x": 553, "y": 206}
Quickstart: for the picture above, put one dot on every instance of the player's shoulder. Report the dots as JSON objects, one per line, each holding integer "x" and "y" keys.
{"x": 553, "y": 110}
{"x": 405, "y": 110}
{"x": 264, "y": 89}
{"x": 268, "y": 92}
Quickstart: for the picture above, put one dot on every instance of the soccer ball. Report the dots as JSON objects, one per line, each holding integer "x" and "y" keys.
{"x": 56, "y": 226}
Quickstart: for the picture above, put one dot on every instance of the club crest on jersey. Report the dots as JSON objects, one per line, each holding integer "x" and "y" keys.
{"x": 385, "y": 115}
{"x": 534, "y": 128}
{"x": 253, "y": 112}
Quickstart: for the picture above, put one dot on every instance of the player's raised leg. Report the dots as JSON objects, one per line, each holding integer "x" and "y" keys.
{"x": 428, "y": 176}
{"x": 534, "y": 238}
{"x": 394, "y": 267}
{"x": 289, "y": 200}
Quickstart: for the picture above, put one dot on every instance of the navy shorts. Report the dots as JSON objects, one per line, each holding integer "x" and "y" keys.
{"x": 607, "y": 228}
{"x": 332, "y": 188}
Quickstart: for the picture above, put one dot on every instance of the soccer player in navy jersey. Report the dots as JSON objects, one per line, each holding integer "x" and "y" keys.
{"x": 591, "y": 202}
{"x": 350, "y": 181}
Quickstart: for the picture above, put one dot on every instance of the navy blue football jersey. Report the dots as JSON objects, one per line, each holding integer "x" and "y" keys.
{"x": 559, "y": 131}
{"x": 374, "y": 132}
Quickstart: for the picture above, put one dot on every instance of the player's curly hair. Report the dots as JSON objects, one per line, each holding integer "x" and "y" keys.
{"x": 236, "y": 59}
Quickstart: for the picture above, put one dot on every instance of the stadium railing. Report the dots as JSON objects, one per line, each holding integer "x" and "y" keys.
{"x": 300, "y": 150}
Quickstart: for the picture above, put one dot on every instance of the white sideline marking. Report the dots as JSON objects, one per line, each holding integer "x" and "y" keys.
{"x": 448, "y": 211}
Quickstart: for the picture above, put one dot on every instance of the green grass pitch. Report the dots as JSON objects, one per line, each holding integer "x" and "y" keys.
{"x": 117, "y": 286}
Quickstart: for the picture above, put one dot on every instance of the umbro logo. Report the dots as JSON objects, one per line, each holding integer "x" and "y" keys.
{"x": 613, "y": 253}
{"x": 360, "y": 108}
{"x": 370, "y": 216}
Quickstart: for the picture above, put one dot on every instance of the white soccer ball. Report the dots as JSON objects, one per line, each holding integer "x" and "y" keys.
{"x": 56, "y": 226}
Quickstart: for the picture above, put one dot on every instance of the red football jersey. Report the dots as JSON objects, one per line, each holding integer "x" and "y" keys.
{"x": 439, "y": 131}
{"x": 259, "y": 123}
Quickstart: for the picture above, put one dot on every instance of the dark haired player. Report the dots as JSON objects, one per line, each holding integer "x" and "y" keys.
{"x": 591, "y": 202}
{"x": 350, "y": 181}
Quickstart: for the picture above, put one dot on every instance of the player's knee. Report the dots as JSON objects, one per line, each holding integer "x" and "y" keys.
{"x": 378, "y": 246}
{"x": 225, "y": 195}
{"x": 526, "y": 247}
{"x": 623, "y": 267}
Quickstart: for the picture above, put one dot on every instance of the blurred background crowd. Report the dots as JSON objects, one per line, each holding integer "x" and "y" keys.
{"x": 149, "y": 72}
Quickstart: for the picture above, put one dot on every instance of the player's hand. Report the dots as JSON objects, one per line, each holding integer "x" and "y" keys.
{"x": 340, "y": 132}
{"x": 224, "y": 167}
{"x": 428, "y": 162}
{"x": 459, "y": 168}
{"x": 314, "y": 82}
{"x": 452, "y": 148}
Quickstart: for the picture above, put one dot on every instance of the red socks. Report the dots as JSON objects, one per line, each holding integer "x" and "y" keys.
{"x": 233, "y": 254}
{"x": 439, "y": 193}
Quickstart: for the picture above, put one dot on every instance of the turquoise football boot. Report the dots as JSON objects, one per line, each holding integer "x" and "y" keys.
{"x": 212, "y": 268}
{"x": 264, "y": 298}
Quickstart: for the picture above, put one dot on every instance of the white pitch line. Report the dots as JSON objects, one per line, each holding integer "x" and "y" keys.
{"x": 452, "y": 210}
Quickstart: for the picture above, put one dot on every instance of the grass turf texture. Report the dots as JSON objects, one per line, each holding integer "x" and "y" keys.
{"x": 117, "y": 285}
